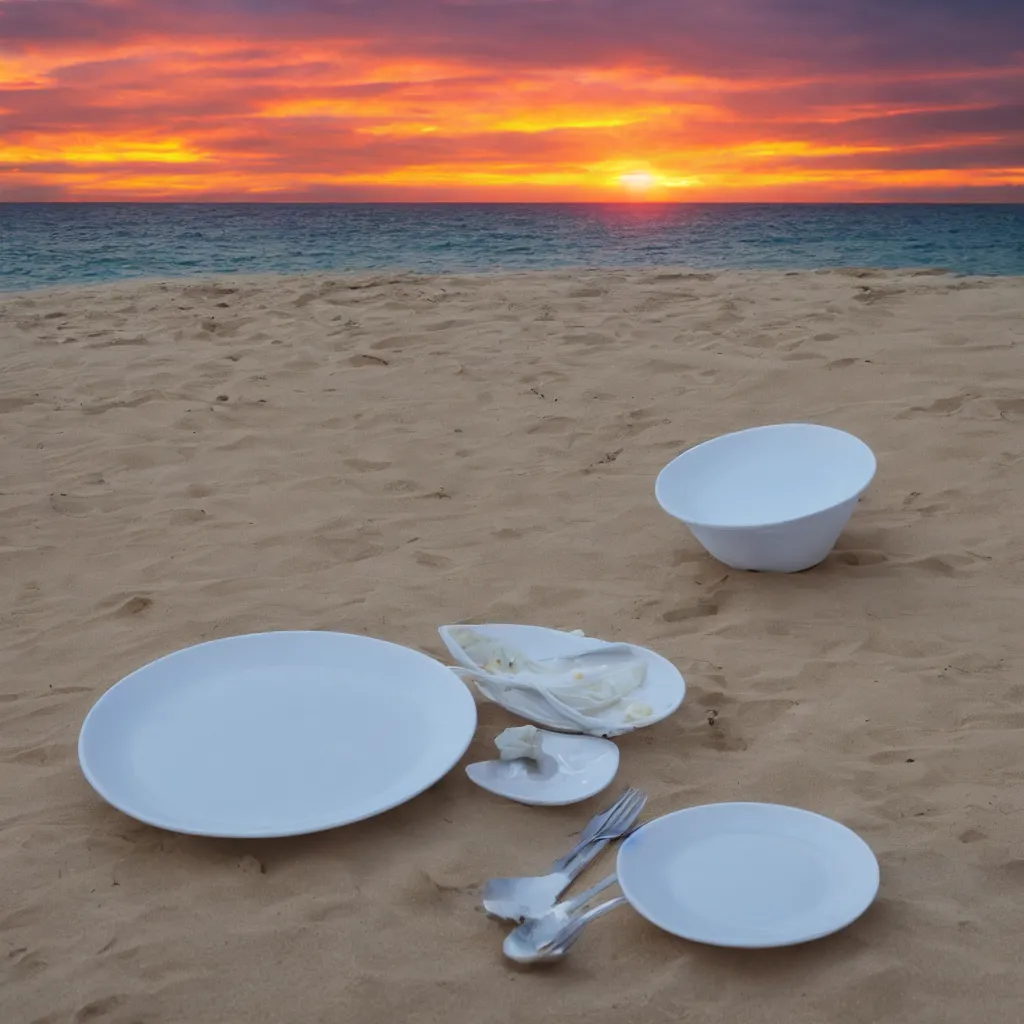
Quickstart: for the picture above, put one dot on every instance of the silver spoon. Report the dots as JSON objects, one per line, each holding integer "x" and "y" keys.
{"x": 554, "y": 947}
{"x": 538, "y": 930}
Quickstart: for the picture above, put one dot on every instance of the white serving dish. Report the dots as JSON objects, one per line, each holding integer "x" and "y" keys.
{"x": 772, "y": 499}
{"x": 663, "y": 688}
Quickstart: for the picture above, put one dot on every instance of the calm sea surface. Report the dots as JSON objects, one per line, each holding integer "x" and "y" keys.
{"x": 47, "y": 244}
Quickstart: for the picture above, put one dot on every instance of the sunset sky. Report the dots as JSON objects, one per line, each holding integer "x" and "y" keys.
{"x": 508, "y": 100}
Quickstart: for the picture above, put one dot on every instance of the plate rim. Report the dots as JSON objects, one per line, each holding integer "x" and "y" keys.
{"x": 813, "y": 937}
{"x": 260, "y": 833}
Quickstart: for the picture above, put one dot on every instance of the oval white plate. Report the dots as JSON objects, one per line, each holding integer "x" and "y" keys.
{"x": 275, "y": 734}
{"x": 748, "y": 874}
{"x": 663, "y": 689}
{"x": 573, "y": 768}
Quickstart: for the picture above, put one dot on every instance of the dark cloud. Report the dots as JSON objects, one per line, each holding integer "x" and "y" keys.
{"x": 14, "y": 191}
{"x": 733, "y": 37}
{"x": 878, "y": 95}
{"x": 974, "y": 157}
{"x": 918, "y": 127}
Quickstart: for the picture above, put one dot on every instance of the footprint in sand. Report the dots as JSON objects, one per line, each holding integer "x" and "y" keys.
{"x": 366, "y": 465}
{"x": 14, "y": 404}
{"x": 702, "y": 608}
{"x": 133, "y": 606}
{"x": 941, "y": 406}
{"x": 551, "y": 425}
{"x": 1010, "y": 408}
{"x": 858, "y": 557}
{"x": 345, "y": 549}
{"x": 365, "y": 359}
{"x": 972, "y": 835}
{"x": 433, "y": 561}
{"x": 186, "y": 516}
{"x": 719, "y": 735}
{"x": 98, "y": 1009}
{"x": 401, "y": 487}
{"x": 761, "y": 712}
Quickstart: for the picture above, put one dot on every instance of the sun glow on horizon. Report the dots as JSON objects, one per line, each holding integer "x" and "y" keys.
{"x": 638, "y": 181}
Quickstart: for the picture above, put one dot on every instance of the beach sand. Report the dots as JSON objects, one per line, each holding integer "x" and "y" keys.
{"x": 385, "y": 453}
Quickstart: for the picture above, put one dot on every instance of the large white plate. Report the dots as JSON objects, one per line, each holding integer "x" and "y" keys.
{"x": 663, "y": 689}
{"x": 748, "y": 874}
{"x": 275, "y": 734}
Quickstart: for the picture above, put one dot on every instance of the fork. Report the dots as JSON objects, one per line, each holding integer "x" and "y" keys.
{"x": 596, "y": 825}
{"x": 518, "y": 899}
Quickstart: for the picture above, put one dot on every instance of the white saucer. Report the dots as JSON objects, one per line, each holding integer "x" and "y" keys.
{"x": 748, "y": 875}
{"x": 663, "y": 689}
{"x": 275, "y": 734}
{"x": 573, "y": 768}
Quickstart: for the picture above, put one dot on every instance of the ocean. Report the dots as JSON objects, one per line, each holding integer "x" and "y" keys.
{"x": 63, "y": 243}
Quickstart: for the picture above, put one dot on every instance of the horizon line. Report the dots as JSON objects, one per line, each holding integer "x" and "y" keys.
{"x": 511, "y": 202}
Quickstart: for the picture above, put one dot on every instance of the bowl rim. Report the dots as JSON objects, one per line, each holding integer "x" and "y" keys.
{"x": 853, "y": 496}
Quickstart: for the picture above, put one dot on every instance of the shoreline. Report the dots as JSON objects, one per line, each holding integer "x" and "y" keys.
{"x": 398, "y": 275}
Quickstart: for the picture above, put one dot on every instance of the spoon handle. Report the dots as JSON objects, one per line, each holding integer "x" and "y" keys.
{"x": 600, "y": 910}
{"x": 558, "y": 945}
{"x": 585, "y": 897}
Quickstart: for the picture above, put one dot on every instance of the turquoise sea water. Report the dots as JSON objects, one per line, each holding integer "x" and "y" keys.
{"x": 47, "y": 244}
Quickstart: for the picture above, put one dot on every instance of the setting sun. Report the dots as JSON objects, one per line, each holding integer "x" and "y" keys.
{"x": 638, "y": 181}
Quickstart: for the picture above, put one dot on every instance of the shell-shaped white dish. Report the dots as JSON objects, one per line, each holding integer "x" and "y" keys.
{"x": 571, "y": 768}
{"x": 663, "y": 688}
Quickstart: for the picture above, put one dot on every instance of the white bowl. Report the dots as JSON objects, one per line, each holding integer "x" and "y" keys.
{"x": 773, "y": 499}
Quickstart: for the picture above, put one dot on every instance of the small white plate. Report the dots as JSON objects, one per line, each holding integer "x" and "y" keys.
{"x": 747, "y": 874}
{"x": 663, "y": 689}
{"x": 275, "y": 734}
{"x": 572, "y": 768}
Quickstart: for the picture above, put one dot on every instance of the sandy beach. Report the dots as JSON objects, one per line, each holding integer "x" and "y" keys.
{"x": 385, "y": 453}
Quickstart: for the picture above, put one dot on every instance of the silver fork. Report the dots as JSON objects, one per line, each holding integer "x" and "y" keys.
{"x": 518, "y": 899}
{"x": 596, "y": 825}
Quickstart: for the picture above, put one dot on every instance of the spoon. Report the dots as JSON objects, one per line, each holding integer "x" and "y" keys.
{"x": 553, "y": 947}
{"x": 539, "y": 930}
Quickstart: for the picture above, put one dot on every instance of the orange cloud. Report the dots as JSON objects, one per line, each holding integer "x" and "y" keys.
{"x": 114, "y": 102}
